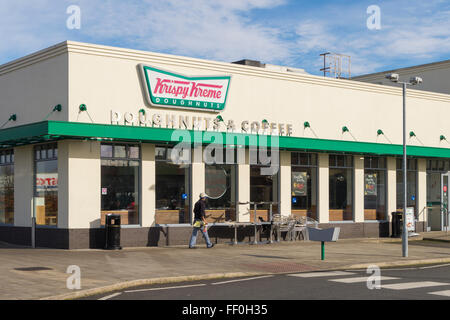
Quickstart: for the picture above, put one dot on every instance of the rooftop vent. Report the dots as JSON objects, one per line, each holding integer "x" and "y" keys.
{"x": 248, "y": 62}
{"x": 272, "y": 67}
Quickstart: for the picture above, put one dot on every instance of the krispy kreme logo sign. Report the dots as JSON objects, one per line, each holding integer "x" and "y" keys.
{"x": 168, "y": 89}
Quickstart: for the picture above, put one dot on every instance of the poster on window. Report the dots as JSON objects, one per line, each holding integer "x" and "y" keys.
{"x": 47, "y": 182}
{"x": 410, "y": 219}
{"x": 6, "y": 182}
{"x": 370, "y": 184}
{"x": 299, "y": 183}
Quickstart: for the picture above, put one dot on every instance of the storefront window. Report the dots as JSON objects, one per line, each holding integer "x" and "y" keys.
{"x": 435, "y": 168}
{"x": 46, "y": 186}
{"x": 437, "y": 190}
{"x": 411, "y": 184}
{"x": 374, "y": 188}
{"x": 120, "y": 182}
{"x": 172, "y": 188}
{"x": 304, "y": 184}
{"x": 263, "y": 188}
{"x": 7, "y": 187}
{"x": 438, "y": 165}
{"x": 220, "y": 186}
{"x": 341, "y": 187}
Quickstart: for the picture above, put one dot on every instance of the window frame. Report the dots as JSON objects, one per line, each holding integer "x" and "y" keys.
{"x": 236, "y": 182}
{"x": 409, "y": 161}
{"x": 445, "y": 169}
{"x": 40, "y": 147}
{"x": 345, "y": 166}
{"x": 311, "y": 164}
{"x": 189, "y": 183}
{"x": 139, "y": 160}
{"x": 384, "y": 170}
{"x": 11, "y": 163}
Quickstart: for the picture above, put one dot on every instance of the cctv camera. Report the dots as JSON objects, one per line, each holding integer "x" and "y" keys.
{"x": 393, "y": 77}
{"x": 415, "y": 80}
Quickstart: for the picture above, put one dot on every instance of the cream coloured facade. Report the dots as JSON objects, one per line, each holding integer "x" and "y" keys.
{"x": 108, "y": 82}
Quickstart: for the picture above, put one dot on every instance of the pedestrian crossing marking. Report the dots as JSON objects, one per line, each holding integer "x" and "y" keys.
{"x": 321, "y": 274}
{"x": 360, "y": 279}
{"x": 414, "y": 285}
{"x": 445, "y": 293}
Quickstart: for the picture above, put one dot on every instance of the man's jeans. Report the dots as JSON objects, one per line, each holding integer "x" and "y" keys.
{"x": 194, "y": 237}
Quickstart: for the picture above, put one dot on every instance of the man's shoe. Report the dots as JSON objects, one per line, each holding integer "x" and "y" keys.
{"x": 192, "y": 247}
{"x": 211, "y": 246}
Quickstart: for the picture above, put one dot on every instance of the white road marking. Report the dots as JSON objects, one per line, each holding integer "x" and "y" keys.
{"x": 360, "y": 279}
{"x": 438, "y": 266}
{"x": 412, "y": 268}
{"x": 445, "y": 293}
{"x": 414, "y": 285}
{"x": 111, "y": 296}
{"x": 321, "y": 274}
{"x": 166, "y": 288}
{"x": 398, "y": 269}
{"x": 237, "y": 280}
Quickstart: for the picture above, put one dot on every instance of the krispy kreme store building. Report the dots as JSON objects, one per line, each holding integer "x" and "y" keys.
{"x": 89, "y": 130}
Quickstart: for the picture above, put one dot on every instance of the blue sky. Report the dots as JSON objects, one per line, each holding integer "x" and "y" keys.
{"x": 285, "y": 32}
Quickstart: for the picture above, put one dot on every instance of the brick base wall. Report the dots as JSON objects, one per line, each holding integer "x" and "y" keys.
{"x": 169, "y": 236}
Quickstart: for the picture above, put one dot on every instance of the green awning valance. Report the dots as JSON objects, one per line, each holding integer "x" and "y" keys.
{"x": 54, "y": 130}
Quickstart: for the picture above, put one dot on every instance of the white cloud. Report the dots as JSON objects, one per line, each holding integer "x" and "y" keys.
{"x": 409, "y": 36}
{"x": 210, "y": 29}
{"x": 315, "y": 36}
{"x": 219, "y": 30}
{"x": 231, "y": 30}
{"x": 27, "y": 26}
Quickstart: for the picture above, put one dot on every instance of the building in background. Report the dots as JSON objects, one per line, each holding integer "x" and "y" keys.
{"x": 436, "y": 76}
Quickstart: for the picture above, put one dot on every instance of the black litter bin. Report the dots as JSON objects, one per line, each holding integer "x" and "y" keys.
{"x": 397, "y": 223}
{"x": 112, "y": 226}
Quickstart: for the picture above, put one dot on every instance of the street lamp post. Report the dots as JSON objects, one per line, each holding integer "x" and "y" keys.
{"x": 394, "y": 77}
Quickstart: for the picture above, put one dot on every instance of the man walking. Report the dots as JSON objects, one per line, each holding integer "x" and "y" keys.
{"x": 200, "y": 223}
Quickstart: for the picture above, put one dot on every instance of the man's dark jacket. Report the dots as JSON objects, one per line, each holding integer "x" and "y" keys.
{"x": 199, "y": 210}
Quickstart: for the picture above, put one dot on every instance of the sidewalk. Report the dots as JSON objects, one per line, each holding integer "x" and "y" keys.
{"x": 437, "y": 236}
{"x": 101, "y": 268}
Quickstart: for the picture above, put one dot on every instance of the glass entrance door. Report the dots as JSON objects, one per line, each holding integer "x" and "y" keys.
{"x": 444, "y": 216}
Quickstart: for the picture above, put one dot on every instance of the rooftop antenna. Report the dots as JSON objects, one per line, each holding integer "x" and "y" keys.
{"x": 337, "y": 65}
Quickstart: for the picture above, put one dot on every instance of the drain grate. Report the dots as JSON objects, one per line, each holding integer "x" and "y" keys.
{"x": 33, "y": 269}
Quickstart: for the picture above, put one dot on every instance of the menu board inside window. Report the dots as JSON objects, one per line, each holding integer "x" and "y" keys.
{"x": 299, "y": 183}
{"x": 370, "y": 184}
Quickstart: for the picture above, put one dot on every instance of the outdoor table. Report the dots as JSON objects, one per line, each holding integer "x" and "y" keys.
{"x": 235, "y": 225}
{"x": 255, "y": 223}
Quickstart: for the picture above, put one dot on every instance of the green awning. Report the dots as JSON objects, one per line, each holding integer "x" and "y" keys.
{"x": 56, "y": 130}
